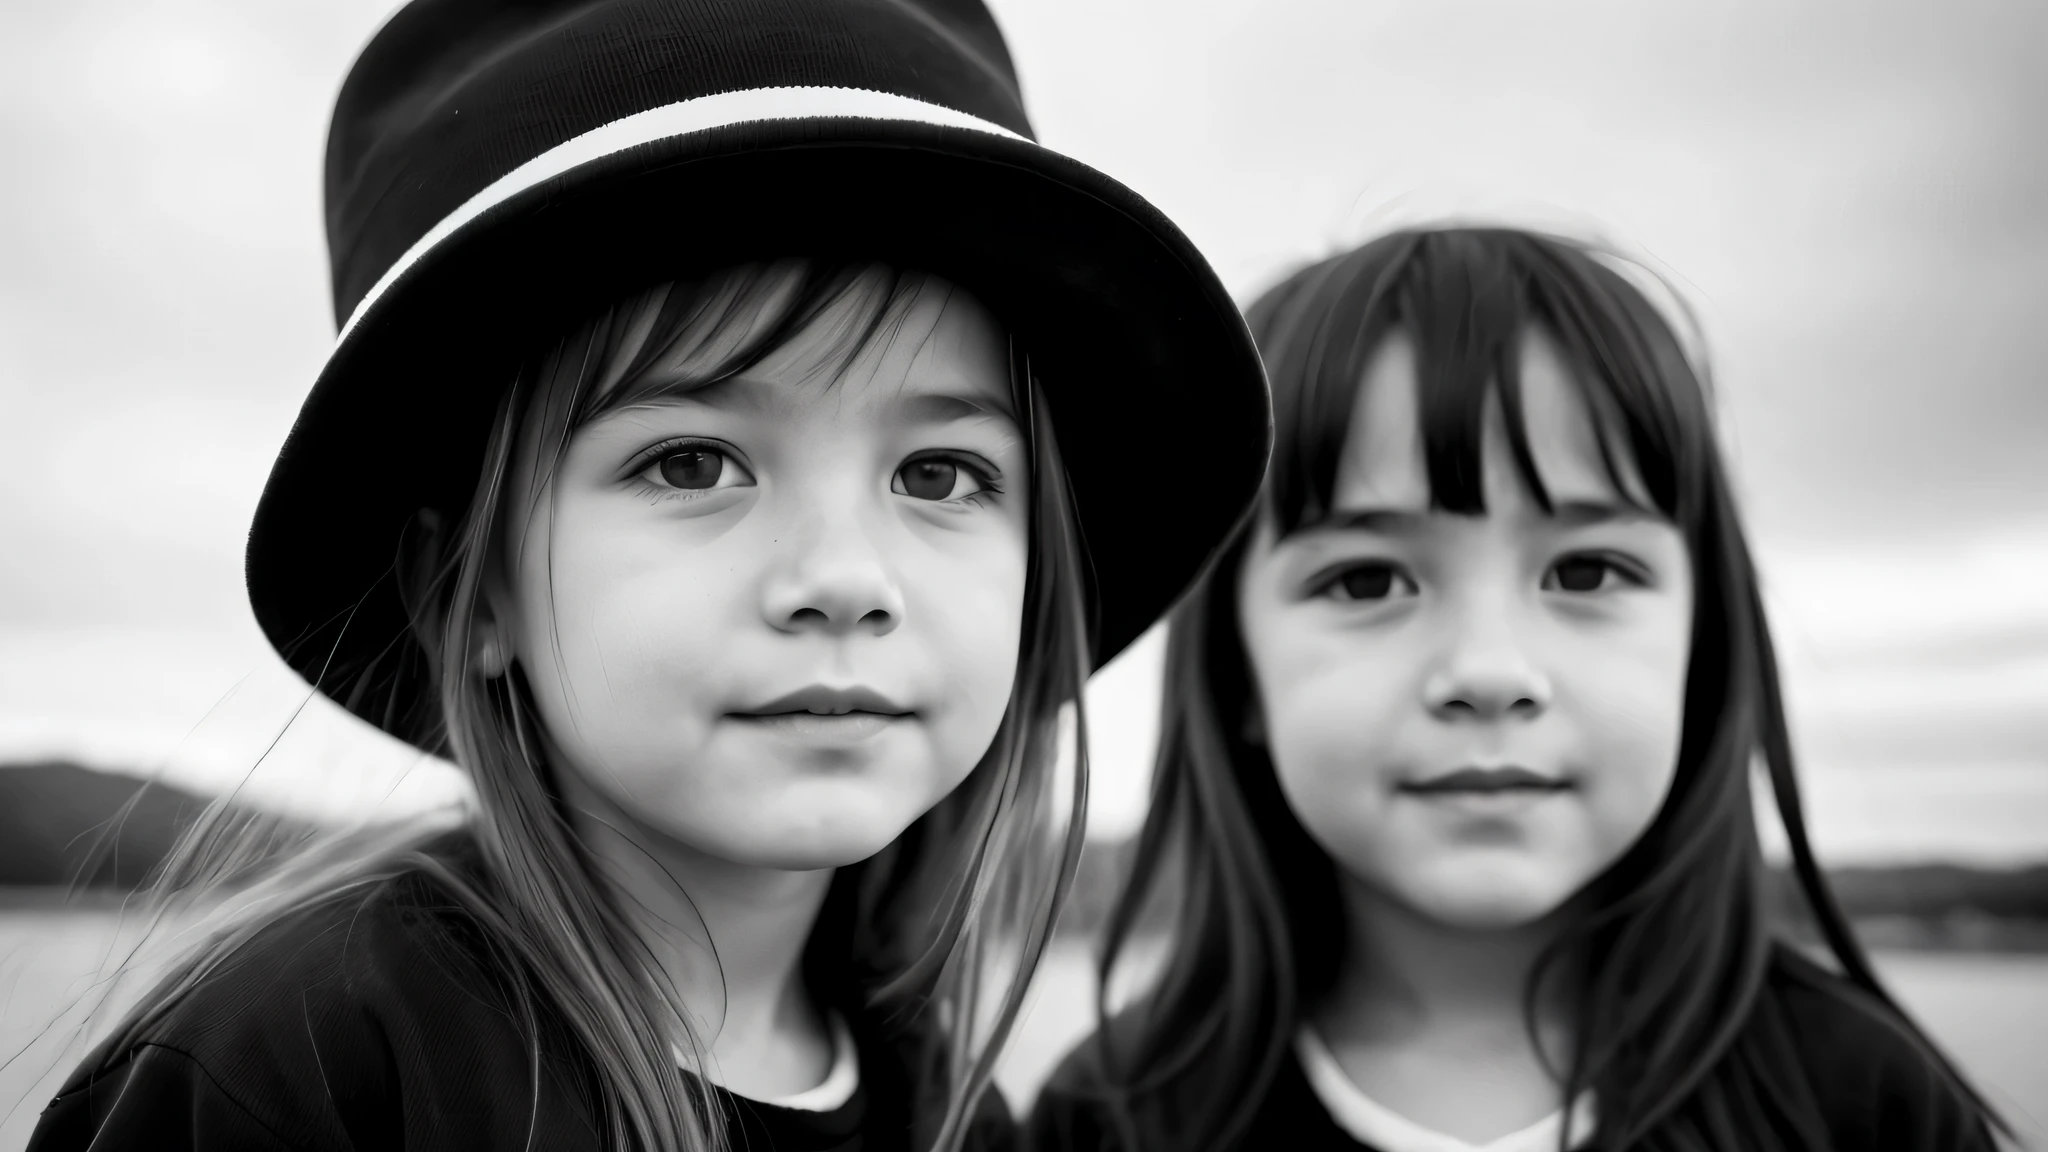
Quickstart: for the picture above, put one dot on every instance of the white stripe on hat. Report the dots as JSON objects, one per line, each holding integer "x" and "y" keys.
{"x": 699, "y": 114}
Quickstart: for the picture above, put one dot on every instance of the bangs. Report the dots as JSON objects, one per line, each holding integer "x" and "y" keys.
{"x": 1467, "y": 299}
{"x": 676, "y": 338}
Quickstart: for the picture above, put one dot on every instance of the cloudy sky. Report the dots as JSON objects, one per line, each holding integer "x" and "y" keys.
{"x": 1854, "y": 195}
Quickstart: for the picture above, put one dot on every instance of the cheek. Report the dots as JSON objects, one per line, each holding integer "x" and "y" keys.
{"x": 1631, "y": 716}
{"x": 1330, "y": 719}
{"x": 967, "y": 613}
{"x": 611, "y": 631}
{"x": 1334, "y": 732}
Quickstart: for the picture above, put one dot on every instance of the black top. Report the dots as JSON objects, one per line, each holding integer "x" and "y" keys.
{"x": 370, "y": 1023}
{"x": 1865, "y": 1076}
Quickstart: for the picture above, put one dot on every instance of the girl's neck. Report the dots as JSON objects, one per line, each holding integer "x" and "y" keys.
{"x": 729, "y": 938}
{"x": 1428, "y": 1020}
{"x": 1406, "y": 977}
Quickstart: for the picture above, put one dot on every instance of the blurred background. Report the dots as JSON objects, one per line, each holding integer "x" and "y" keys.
{"x": 1853, "y": 193}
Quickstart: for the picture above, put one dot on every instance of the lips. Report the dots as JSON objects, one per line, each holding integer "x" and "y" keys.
{"x": 820, "y": 700}
{"x": 820, "y": 717}
{"x": 1507, "y": 780}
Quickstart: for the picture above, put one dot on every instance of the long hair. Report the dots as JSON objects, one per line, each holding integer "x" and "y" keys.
{"x": 960, "y": 906}
{"x": 1673, "y": 950}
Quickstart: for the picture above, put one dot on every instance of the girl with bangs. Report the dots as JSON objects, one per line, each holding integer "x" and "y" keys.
{"x": 754, "y": 592}
{"x": 1453, "y": 813}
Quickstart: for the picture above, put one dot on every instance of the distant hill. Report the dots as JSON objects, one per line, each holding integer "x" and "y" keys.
{"x": 1933, "y": 890}
{"x": 1929, "y": 906}
{"x": 1932, "y": 906}
{"x": 62, "y": 824}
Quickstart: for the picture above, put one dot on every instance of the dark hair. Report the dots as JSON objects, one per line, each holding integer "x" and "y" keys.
{"x": 960, "y": 905}
{"x": 1674, "y": 946}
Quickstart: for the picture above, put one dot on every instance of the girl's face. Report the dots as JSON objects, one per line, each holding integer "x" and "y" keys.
{"x": 776, "y": 619}
{"x": 1474, "y": 715}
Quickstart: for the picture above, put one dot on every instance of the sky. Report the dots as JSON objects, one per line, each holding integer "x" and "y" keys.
{"x": 1853, "y": 195}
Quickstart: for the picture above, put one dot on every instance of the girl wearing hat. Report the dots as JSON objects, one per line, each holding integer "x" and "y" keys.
{"x": 736, "y": 455}
{"x": 1453, "y": 799}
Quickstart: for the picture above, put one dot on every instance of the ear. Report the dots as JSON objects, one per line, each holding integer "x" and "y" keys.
{"x": 489, "y": 652}
{"x": 490, "y": 638}
{"x": 422, "y": 554}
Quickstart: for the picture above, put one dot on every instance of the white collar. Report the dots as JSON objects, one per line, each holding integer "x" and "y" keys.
{"x": 1369, "y": 1122}
{"x": 839, "y": 1084}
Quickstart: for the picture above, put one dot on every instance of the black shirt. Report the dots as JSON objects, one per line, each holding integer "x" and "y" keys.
{"x": 368, "y": 1024}
{"x": 1863, "y": 1075}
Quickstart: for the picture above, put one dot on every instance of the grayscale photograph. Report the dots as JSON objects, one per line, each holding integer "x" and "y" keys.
{"x": 1023, "y": 576}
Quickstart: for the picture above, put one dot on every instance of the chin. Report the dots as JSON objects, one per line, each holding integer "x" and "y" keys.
{"x": 1486, "y": 915}
{"x": 809, "y": 845}
{"x": 1486, "y": 903}
{"x": 806, "y": 857}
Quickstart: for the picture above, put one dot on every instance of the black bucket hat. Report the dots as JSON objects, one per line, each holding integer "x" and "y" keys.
{"x": 496, "y": 168}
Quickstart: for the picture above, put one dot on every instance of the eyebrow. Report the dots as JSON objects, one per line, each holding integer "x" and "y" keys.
{"x": 670, "y": 391}
{"x": 945, "y": 407}
{"x": 1387, "y": 521}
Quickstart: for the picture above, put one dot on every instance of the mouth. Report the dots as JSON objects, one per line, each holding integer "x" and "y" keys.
{"x": 831, "y": 713}
{"x": 1510, "y": 780}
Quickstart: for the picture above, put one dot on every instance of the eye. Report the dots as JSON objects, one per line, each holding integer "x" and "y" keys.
{"x": 1587, "y": 573}
{"x": 939, "y": 478}
{"x": 1367, "y": 582}
{"x": 696, "y": 467}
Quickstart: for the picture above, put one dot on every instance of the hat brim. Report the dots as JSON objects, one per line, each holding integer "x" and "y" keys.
{"x": 1157, "y": 393}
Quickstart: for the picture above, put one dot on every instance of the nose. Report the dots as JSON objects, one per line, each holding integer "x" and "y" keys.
{"x": 1486, "y": 674}
{"x": 835, "y": 581}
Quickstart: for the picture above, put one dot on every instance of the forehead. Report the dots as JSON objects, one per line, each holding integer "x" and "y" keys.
{"x": 938, "y": 341}
{"x": 1383, "y": 463}
{"x": 871, "y": 345}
